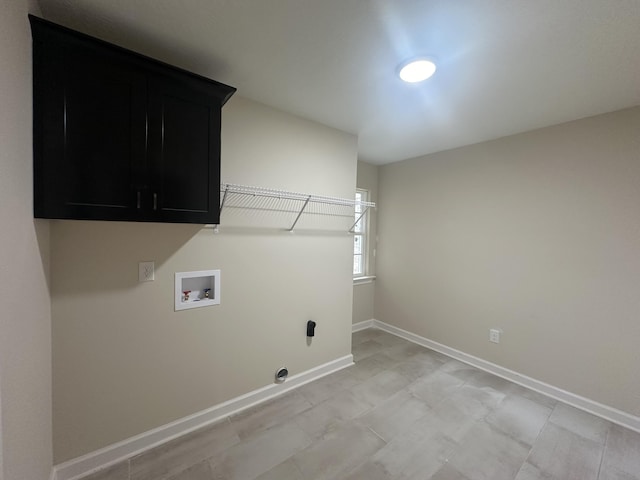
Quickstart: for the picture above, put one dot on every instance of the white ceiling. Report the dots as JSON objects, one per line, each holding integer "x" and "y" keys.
{"x": 504, "y": 66}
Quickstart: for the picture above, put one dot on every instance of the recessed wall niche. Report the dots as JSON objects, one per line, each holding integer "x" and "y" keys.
{"x": 197, "y": 289}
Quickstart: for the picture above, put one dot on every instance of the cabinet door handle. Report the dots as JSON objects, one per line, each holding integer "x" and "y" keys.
{"x": 155, "y": 201}
{"x": 138, "y": 200}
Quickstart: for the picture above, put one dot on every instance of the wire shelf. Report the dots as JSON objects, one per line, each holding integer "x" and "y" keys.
{"x": 291, "y": 207}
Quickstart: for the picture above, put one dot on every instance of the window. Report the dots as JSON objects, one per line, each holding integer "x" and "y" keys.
{"x": 360, "y": 236}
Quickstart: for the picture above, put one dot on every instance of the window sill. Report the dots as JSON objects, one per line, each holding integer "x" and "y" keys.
{"x": 363, "y": 280}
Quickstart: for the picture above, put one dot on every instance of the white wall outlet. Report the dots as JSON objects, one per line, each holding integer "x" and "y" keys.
{"x": 146, "y": 272}
{"x": 494, "y": 335}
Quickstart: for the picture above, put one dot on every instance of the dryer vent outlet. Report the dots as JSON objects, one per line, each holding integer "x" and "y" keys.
{"x": 281, "y": 374}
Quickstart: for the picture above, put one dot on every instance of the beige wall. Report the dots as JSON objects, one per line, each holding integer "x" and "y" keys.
{"x": 125, "y": 362}
{"x": 363, "y": 293}
{"x": 537, "y": 234}
{"x": 25, "y": 329}
{"x": 363, "y": 301}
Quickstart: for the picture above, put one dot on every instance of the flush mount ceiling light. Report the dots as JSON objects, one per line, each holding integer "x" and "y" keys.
{"x": 416, "y": 70}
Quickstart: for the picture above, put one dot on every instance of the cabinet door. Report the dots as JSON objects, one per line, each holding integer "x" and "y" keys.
{"x": 184, "y": 150}
{"x": 90, "y": 139}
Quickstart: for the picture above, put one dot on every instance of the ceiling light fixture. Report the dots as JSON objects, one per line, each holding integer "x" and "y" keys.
{"x": 416, "y": 70}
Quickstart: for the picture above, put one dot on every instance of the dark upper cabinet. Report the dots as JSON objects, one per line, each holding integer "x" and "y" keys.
{"x": 119, "y": 136}
{"x": 184, "y": 153}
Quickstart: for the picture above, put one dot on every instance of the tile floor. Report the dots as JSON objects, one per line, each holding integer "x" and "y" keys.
{"x": 402, "y": 412}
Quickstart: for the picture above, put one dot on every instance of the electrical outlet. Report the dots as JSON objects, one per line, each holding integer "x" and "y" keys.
{"x": 146, "y": 272}
{"x": 494, "y": 335}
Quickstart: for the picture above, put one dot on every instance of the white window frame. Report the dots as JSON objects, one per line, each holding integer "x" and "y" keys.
{"x": 361, "y": 233}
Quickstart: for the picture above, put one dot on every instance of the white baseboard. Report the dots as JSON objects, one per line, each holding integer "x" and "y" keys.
{"x": 91, "y": 462}
{"x": 356, "y": 327}
{"x": 614, "y": 415}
